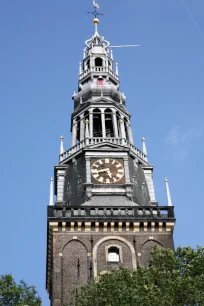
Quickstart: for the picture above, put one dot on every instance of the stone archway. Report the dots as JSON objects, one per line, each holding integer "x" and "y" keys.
{"x": 117, "y": 238}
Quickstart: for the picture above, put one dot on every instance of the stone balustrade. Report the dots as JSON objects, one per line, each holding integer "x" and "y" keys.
{"x": 97, "y": 140}
{"x": 98, "y": 69}
{"x": 109, "y": 213}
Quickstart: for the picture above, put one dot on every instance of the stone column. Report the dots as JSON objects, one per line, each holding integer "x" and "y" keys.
{"x": 115, "y": 126}
{"x": 129, "y": 130}
{"x": 81, "y": 127}
{"x": 60, "y": 185}
{"x": 88, "y": 170}
{"x": 91, "y": 63}
{"x": 122, "y": 128}
{"x": 74, "y": 133}
{"x": 91, "y": 122}
{"x": 103, "y": 123}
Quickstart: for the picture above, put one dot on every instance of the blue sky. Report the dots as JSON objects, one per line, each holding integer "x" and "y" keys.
{"x": 41, "y": 46}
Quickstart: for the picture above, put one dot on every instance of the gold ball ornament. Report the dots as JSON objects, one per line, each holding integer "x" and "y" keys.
{"x": 96, "y": 21}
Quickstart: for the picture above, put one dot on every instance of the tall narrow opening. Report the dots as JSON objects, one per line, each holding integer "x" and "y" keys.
{"x": 109, "y": 123}
{"x": 78, "y": 128}
{"x": 118, "y": 118}
{"x": 98, "y": 62}
{"x": 86, "y": 115}
{"x": 126, "y": 124}
{"x": 97, "y": 125}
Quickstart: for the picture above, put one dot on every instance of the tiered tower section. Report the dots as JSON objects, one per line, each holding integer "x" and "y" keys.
{"x": 105, "y": 214}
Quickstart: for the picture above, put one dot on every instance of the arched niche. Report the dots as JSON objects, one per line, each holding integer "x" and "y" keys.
{"x": 146, "y": 251}
{"x": 99, "y": 253}
{"x": 74, "y": 269}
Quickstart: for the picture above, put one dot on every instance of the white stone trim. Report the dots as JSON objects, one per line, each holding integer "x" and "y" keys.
{"x": 134, "y": 263}
{"x": 88, "y": 170}
{"x": 60, "y": 185}
{"x": 105, "y": 154}
{"x": 149, "y": 179}
{"x": 109, "y": 190}
{"x": 74, "y": 132}
{"x": 126, "y": 168}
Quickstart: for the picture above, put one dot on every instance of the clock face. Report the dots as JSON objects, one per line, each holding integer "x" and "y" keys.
{"x": 107, "y": 171}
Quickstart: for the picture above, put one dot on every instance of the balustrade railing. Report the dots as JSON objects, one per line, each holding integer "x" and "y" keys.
{"x": 98, "y": 69}
{"x": 97, "y": 140}
{"x": 95, "y": 213}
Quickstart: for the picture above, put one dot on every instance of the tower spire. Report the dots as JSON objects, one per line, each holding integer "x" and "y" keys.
{"x": 51, "y": 202}
{"x": 144, "y": 148}
{"x": 61, "y": 144}
{"x": 169, "y": 202}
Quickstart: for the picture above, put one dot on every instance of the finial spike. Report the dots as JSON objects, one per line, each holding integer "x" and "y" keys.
{"x": 169, "y": 202}
{"x": 84, "y": 53}
{"x": 111, "y": 51}
{"x": 61, "y": 144}
{"x": 144, "y": 148}
{"x": 51, "y": 202}
{"x": 116, "y": 71}
{"x": 80, "y": 68}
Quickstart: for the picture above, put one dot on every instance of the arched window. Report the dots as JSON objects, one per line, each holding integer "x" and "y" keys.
{"x": 113, "y": 255}
{"x": 109, "y": 123}
{"x": 98, "y": 62}
{"x": 97, "y": 125}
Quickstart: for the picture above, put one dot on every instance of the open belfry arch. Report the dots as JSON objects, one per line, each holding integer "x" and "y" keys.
{"x": 105, "y": 213}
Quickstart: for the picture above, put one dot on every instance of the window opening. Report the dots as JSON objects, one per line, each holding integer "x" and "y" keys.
{"x": 109, "y": 123}
{"x": 78, "y": 128}
{"x": 113, "y": 255}
{"x": 97, "y": 125}
{"x": 98, "y": 62}
{"x": 126, "y": 129}
{"x": 118, "y": 123}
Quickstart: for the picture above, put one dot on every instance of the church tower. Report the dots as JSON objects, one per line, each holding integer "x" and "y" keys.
{"x": 105, "y": 213}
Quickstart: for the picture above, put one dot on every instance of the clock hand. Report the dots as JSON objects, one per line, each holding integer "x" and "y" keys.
{"x": 103, "y": 170}
{"x": 109, "y": 173}
{"x": 99, "y": 171}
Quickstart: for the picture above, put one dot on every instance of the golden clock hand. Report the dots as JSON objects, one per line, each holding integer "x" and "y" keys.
{"x": 103, "y": 170}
